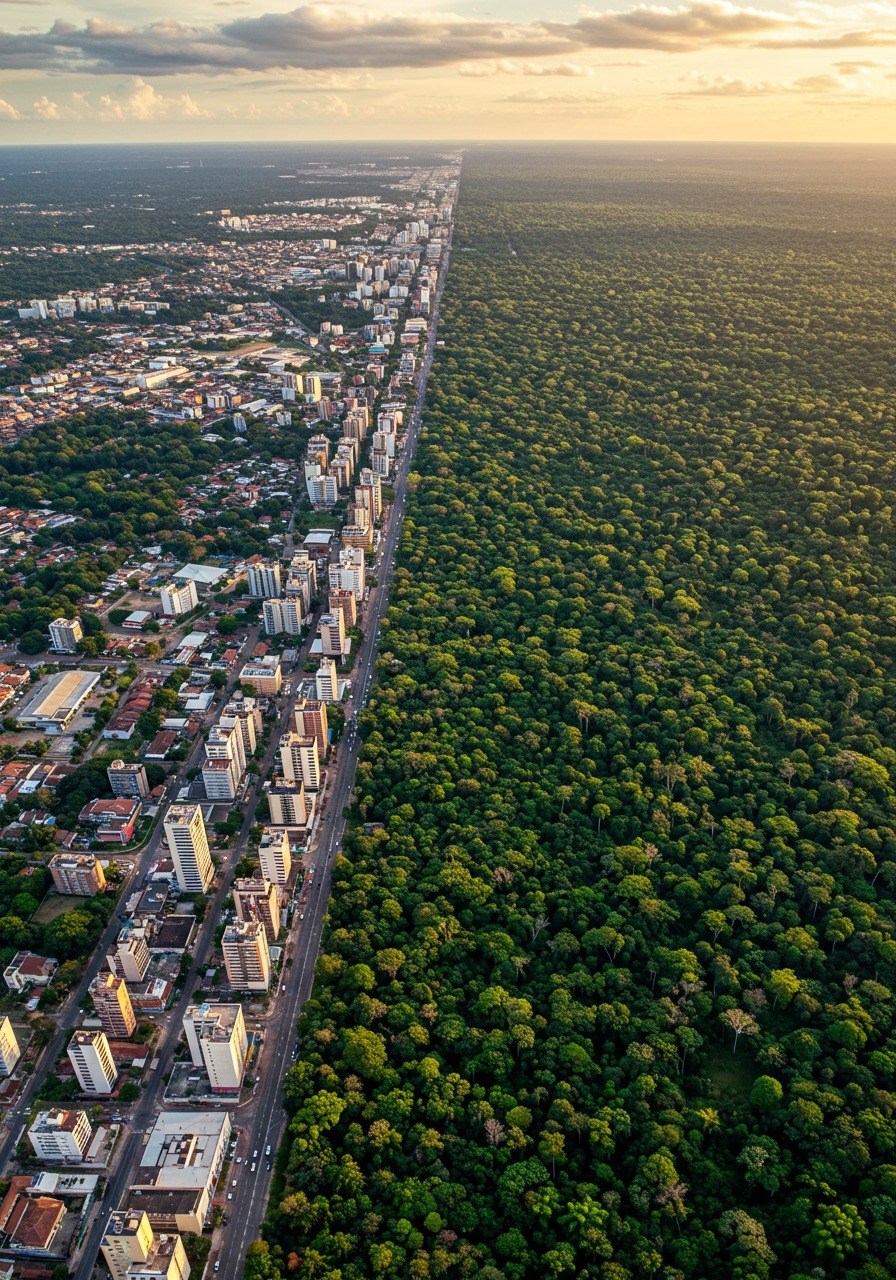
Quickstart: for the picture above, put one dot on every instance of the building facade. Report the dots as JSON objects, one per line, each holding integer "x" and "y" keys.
{"x": 65, "y": 635}
{"x": 188, "y": 842}
{"x": 60, "y": 1135}
{"x": 275, "y": 857}
{"x": 91, "y": 1058}
{"x": 9, "y": 1048}
{"x": 78, "y": 874}
{"x": 216, "y": 1036}
{"x": 246, "y": 956}
{"x": 112, "y": 1002}
{"x": 258, "y": 899}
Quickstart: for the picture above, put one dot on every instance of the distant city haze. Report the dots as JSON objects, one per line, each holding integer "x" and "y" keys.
{"x": 79, "y": 71}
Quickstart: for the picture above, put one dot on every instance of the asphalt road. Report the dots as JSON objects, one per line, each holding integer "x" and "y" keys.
{"x": 267, "y": 1118}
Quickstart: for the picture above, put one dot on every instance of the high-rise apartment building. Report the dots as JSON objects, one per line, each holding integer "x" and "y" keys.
{"x": 343, "y": 602}
{"x": 178, "y": 599}
{"x": 331, "y": 631}
{"x": 9, "y": 1048}
{"x": 326, "y": 684}
{"x": 323, "y": 490}
{"x": 246, "y": 956}
{"x": 112, "y": 1002}
{"x": 287, "y": 803}
{"x": 91, "y": 1058}
{"x": 65, "y": 635}
{"x": 350, "y": 574}
{"x": 309, "y": 720}
{"x": 258, "y": 899}
{"x": 299, "y": 759}
{"x": 244, "y": 714}
{"x": 371, "y": 486}
{"x": 216, "y": 1035}
{"x": 78, "y": 874}
{"x": 188, "y": 842}
{"x": 59, "y": 1134}
{"x": 263, "y": 579}
{"x": 283, "y": 617}
{"x": 130, "y": 957}
{"x": 128, "y": 780}
{"x": 275, "y": 857}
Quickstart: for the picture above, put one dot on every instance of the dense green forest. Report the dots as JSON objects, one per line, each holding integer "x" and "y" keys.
{"x": 49, "y": 275}
{"x": 610, "y": 994}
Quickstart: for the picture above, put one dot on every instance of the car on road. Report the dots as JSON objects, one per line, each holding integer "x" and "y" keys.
{"x": 268, "y": 1149}
{"x": 252, "y": 1170}
{"x": 229, "y": 1195}
{"x": 254, "y": 1155}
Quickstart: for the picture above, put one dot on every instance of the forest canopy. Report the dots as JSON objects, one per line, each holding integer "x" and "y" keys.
{"x": 610, "y": 994}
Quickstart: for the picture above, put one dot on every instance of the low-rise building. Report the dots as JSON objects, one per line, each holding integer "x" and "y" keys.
{"x": 184, "y": 1153}
{"x": 55, "y": 701}
{"x": 115, "y": 820}
{"x": 29, "y": 1223}
{"x": 28, "y": 970}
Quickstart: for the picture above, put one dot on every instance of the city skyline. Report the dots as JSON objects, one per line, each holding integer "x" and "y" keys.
{"x": 242, "y": 69}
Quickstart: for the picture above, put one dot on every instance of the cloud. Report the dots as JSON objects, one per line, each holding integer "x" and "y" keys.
{"x": 538, "y": 97}
{"x": 723, "y": 87}
{"x": 138, "y": 102}
{"x": 322, "y": 36}
{"x": 876, "y": 38}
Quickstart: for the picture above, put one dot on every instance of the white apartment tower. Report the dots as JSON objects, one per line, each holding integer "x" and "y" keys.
{"x": 246, "y": 956}
{"x": 188, "y": 842}
{"x": 91, "y": 1058}
{"x": 178, "y": 599}
{"x": 216, "y": 1035}
{"x": 350, "y": 574}
{"x": 130, "y": 959}
{"x": 286, "y": 801}
{"x": 65, "y": 633}
{"x": 299, "y": 759}
{"x": 326, "y": 684}
{"x": 283, "y": 617}
{"x": 274, "y": 856}
{"x": 9, "y": 1048}
{"x": 264, "y": 579}
{"x": 243, "y": 714}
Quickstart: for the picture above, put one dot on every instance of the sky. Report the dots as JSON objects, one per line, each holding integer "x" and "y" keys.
{"x": 217, "y": 70}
